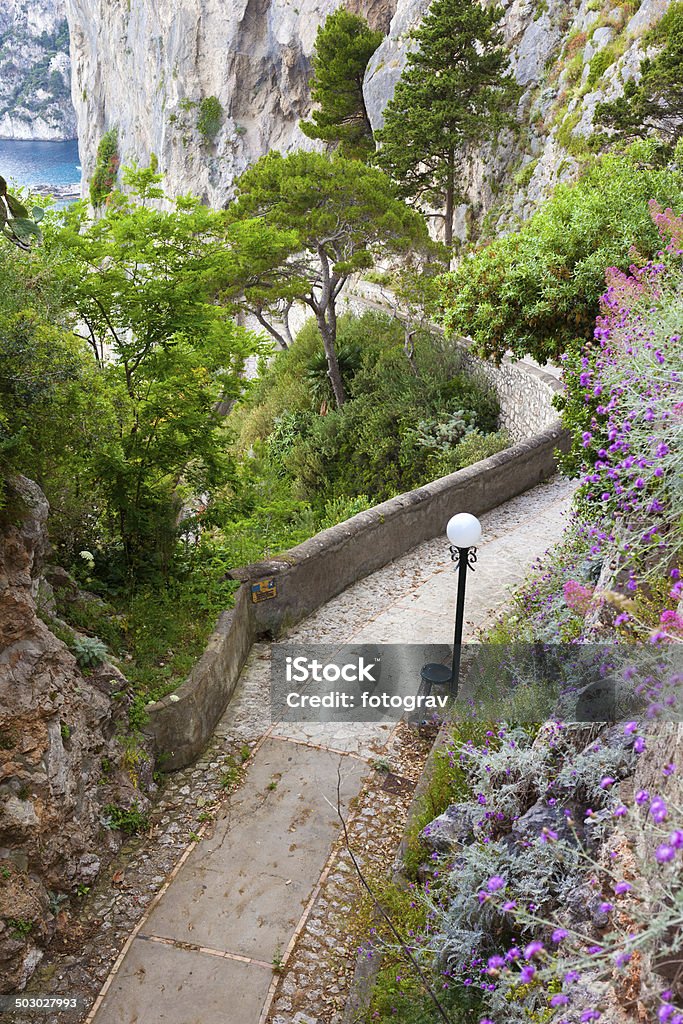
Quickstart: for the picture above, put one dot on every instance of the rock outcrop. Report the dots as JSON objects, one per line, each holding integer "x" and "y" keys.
{"x": 146, "y": 67}
{"x": 35, "y": 72}
{"x": 253, "y": 56}
{"x": 568, "y": 55}
{"x": 62, "y": 762}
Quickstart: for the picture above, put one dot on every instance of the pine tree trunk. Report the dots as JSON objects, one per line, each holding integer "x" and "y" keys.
{"x": 328, "y": 331}
{"x": 450, "y": 200}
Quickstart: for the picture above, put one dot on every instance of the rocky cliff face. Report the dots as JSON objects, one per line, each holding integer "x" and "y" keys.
{"x": 61, "y": 759}
{"x": 35, "y": 72}
{"x": 569, "y": 55}
{"x": 145, "y": 68}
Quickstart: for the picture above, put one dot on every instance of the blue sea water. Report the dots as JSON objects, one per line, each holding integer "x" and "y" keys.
{"x": 39, "y": 163}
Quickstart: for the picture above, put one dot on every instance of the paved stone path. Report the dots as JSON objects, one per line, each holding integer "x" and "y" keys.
{"x": 211, "y": 947}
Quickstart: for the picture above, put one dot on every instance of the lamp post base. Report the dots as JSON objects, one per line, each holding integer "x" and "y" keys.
{"x": 435, "y": 675}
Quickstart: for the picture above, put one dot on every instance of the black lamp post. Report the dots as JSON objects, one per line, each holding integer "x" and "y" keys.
{"x": 464, "y": 533}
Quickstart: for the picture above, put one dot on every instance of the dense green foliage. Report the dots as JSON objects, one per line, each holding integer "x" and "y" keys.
{"x": 322, "y": 219}
{"x": 106, "y": 167}
{"x": 343, "y": 46}
{"x": 655, "y": 101}
{"x": 455, "y": 91}
{"x": 397, "y": 430}
{"x": 120, "y": 427}
{"x": 537, "y": 290}
{"x": 142, "y": 280}
{"x": 51, "y": 404}
{"x": 210, "y": 117}
{"x": 16, "y": 224}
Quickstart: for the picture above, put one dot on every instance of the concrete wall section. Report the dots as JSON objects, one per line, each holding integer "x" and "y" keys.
{"x": 308, "y": 576}
{"x": 182, "y": 722}
{"x": 311, "y": 574}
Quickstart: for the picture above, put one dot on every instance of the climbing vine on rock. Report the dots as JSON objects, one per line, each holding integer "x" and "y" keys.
{"x": 210, "y": 117}
{"x": 106, "y": 167}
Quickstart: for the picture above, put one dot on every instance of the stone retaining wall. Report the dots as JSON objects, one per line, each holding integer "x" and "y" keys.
{"x": 182, "y": 723}
{"x": 311, "y": 574}
{"x": 306, "y": 577}
{"x": 525, "y": 393}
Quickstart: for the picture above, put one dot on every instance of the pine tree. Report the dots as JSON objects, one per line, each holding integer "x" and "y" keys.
{"x": 343, "y": 47}
{"x": 456, "y": 90}
{"x": 302, "y": 225}
{"x": 655, "y": 101}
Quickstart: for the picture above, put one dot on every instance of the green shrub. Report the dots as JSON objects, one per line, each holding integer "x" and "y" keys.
{"x": 338, "y": 510}
{"x": 537, "y": 291}
{"x": 600, "y": 61}
{"x": 130, "y": 820}
{"x": 394, "y": 428}
{"x": 209, "y": 117}
{"x": 89, "y": 651}
{"x": 477, "y": 446}
{"x": 20, "y": 927}
{"x": 50, "y": 397}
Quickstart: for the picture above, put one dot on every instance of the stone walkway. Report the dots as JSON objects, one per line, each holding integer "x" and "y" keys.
{"x": 215, "y": 944}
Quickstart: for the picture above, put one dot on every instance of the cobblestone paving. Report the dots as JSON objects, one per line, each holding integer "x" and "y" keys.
{"x": 385, "y": 607}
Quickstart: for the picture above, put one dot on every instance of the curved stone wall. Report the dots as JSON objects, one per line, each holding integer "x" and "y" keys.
{"x": 311, "y": 574}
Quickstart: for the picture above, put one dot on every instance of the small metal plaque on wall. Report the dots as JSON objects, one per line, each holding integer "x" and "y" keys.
{"x": 263, "y": 591}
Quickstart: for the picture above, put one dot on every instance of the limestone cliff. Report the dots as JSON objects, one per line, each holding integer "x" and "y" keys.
{"x": 62, "y": 762}
{"x": 35, "y": 72}
{"x": 145, "y": 66}
{"x": 569, "y": 55}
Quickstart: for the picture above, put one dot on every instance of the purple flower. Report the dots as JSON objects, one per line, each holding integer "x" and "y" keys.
{"x": 527, "y": 974}
{"x": 642, "y": 797}
{"x": 589, "y": 1015}
{"x": 495, "y": 882}
{"x": 629, "y": 728}
{"x": 607, "y": 782}
{"x": 622, "y": 958}
{"x": 622, "y": 887}
{"x": 664, "y": 853}
{"x": 495, "y": 963}
{"x": 639, "y": 745}
{"x": 559, "y": 1000}
{"x": 676, "y": 839}
{"x": 658, "y": 810}
{"x": 533, "y": 949}
{"x": 559, "y": 934}
{"x": 571, "y": 976}
{"x": 512, "y": 904}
